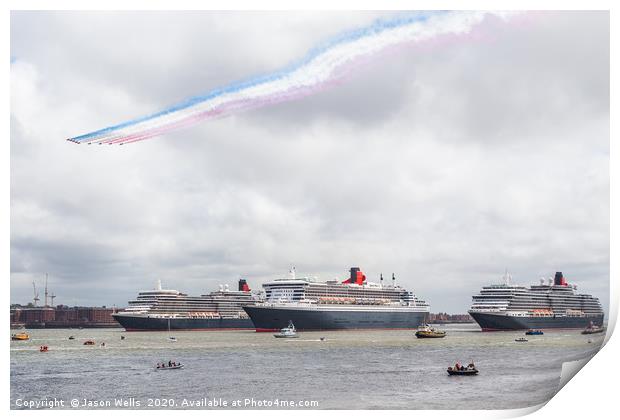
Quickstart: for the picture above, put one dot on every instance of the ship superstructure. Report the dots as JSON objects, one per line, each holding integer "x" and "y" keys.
{"x": 551, "y": 304}
{"x": 353, "y": 304}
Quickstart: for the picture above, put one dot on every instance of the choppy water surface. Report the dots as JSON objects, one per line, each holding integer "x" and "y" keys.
{"x": 349, "y": 370}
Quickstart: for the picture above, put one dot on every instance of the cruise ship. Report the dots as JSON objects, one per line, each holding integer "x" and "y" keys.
{"x": 334, "y": 305}
{"x": 551, "y": 304}
{"x": 166, "y": 309}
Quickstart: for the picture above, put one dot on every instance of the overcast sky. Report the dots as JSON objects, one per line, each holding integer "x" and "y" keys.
{"x": 445, "y": 163}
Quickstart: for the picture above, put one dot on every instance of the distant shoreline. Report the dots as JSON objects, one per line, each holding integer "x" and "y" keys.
{"x": 64, "y": 327}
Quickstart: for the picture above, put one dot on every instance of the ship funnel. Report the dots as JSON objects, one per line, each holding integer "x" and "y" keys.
{"x": 354, "y": 271}
{"x": 243, "y": 285}
{"x": 357, "y": 277}
{"x": 559, "y": 279}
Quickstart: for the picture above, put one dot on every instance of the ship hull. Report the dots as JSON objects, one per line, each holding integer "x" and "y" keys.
{"x": 146, "y": 323}
{"x": 499, "y": 322}
{"x": 312, "y": 319}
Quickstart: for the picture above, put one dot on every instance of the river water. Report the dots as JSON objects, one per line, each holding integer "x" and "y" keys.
{"x": 382, "y": 369}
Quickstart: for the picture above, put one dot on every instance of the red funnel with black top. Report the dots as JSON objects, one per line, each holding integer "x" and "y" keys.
{"x": 357, "y": 277}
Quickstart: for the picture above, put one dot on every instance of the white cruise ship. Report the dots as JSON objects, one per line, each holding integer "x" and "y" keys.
{"x": 551, "y": 304}
{"x": 352, "y": 304}
{"x": 163, "y": 309}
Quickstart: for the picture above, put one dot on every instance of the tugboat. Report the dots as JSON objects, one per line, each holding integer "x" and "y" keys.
{"x": 534, "y": 332}
{"x": 21, "y": 336}
{"x": 288, "y": 332}
{"x": 459, "y": 369}
{"x": 593, "y": 329}
{"x": 426, "y": 331}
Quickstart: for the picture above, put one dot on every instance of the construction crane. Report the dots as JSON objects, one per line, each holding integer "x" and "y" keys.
{"x": 52, "y": 296}
{"x": 36, "y": 294}
{"x": 45, "y": 305}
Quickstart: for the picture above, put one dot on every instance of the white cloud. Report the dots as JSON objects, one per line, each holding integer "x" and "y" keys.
{"x": 445, "y": 163}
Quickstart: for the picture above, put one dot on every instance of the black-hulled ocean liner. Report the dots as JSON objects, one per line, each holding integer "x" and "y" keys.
{"x": 161, "y": 309}
{"x": 551, "y": 304}
{"x": 352, "y": 304}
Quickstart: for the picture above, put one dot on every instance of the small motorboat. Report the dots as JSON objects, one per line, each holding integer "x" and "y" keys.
{"x": 102, "y": 344}
{"x": 534, "y": 332}
{"x": 468, "y": 370}
{"x": 288, "y": 332}
{"x": 122, "y": 337}
{"x": 426, "y": 331}
{"x": 322, "y": 338}
{"x": 593, "y": 329}
{"x": 521, "y": 340}
{"x": 71, "y": 337}
{"x": 21, "y": 336}
{"x": 89, "y": 343}
{"x": 166, "y": 367}
{"x": 43, "y": 349}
